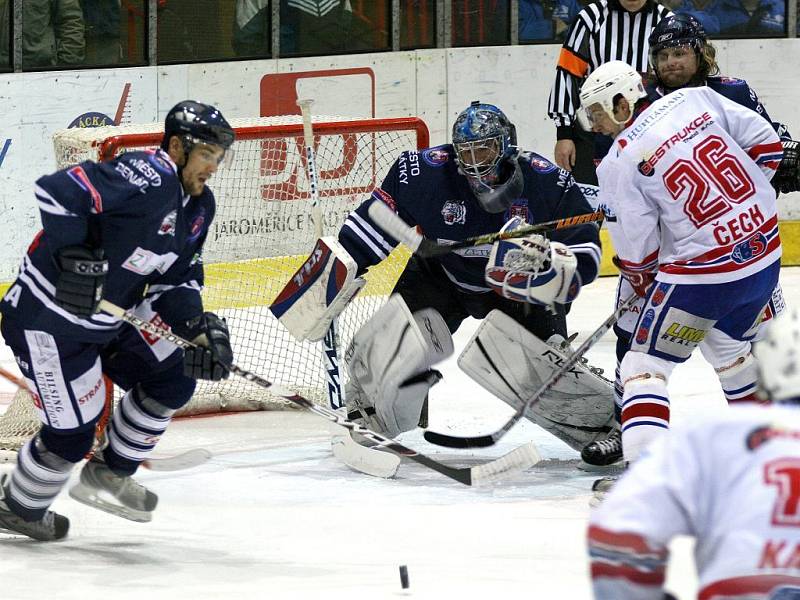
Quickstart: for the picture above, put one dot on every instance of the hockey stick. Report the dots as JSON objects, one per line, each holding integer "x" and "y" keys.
{"x": 329, "y": 349}
{"x": 519, "y": 459}
{"x": 481, "y": 441}
{"x": 392, "y": 224}
{"x": 184, "y": 460}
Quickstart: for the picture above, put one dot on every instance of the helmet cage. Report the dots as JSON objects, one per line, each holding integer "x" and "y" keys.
{"x": 483, "y": 139}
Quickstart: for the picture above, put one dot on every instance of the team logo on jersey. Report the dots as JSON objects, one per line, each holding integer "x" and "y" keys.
{"x": 519, "y": 210}
{"x": 435, "y": 157}
{"x": 168, "y": 224}
{"x": 646, "y": 169}
{"x": 644, "y": 326}
{"x": 542, "y": 165}
{"x": 454, "y": 212}
{"x": 196, "y": 228}
{"x": 749, "y": 249}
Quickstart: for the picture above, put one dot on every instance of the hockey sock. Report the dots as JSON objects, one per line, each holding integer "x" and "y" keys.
{"x": 739, "y": 380}
{"x": 134, "y": 431}
{"x": 645, "y": 414}
{"x": 37, "y": 480}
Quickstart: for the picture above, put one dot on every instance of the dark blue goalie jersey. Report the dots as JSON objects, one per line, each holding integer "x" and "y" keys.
{"x": 152, "y": 234}
{"x": 426, "y": 190}
{"x": 733, "y": 89}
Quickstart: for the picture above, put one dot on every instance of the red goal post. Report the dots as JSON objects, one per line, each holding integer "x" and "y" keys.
{"x": 262, "y": 232}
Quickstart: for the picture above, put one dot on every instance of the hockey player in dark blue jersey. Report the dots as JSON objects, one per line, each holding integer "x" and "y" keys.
{"x": 681, "y": 56}
{"x": 480, "y": 184}
{"x": 131, "y": 231}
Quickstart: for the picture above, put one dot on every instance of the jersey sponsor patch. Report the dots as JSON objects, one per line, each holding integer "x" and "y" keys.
{"x": 518, "y": 209}
{"x": 196, "y": 228}
{"x": 454, "y": 212}
{"x": 435, "y": 157}
{"x": 384, "y": 197}
{"x": 646, "y": 169}
{"x": 144, "y": 262}
{"x": 749, "y": 249}
{"x": 542, "y": 165}
{"x": 643, "y": 332}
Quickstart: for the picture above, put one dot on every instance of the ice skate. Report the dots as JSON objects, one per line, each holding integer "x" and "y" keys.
{"x": 119, "y": 495}
{"x": 50, "y": 527}
{"x": 602, "y": 453}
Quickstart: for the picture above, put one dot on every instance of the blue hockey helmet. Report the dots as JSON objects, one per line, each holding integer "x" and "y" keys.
{"x": 485, "y": 143}
{"x": 676, "y": 30}
{"x": 778, "y": 358}
{"x": 195, "y": 122}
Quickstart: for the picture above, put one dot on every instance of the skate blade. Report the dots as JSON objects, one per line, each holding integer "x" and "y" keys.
{"x": 612, "y": 468}
{"x": 90, "y": 497}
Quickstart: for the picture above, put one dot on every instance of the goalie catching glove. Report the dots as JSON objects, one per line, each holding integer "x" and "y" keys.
{"x": 787, "y": 176}
{"x": 532, "y": 269}
{"x": 389, "y": 361}
{"x": 318, "y": 291}
{"x": 210, "y": 358}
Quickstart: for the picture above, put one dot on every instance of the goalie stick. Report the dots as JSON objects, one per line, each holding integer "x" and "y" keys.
{"x": 329, "y": 350}
{"x": 519, "y": 459}
{"x": 481, "y": 441}
{"x": 178, "y": 462}
{"x": 392, "y": 224}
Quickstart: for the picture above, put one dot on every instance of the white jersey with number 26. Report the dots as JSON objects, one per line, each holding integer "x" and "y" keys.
{"x": 686, "y": 188}
{"x": 734, "y": 484}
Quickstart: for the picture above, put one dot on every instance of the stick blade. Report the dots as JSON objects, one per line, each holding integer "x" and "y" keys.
{"x": 516, "y": 461}
{"x": 179, "y": 462}
{"x": 370, "y": 461}
{"x": 453, "y": 441}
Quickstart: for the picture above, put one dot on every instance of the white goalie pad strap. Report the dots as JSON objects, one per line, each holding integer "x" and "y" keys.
{"x": 534, "y": 270}
{"x": 389, "y": 362}
{"x": 318, "y": 291}
{"x": 512, "y": 363}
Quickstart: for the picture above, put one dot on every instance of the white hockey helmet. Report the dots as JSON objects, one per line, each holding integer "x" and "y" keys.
{"x": 778, "y": 356}
{"x": 605, "y": 83}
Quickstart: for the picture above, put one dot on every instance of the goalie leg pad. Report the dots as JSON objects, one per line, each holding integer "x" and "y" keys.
{"x": 318, "y": 291}
{"x": 512, "y": 363}
{"x": 390, "y": 360}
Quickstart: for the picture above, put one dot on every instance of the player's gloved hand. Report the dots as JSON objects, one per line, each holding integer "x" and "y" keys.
{"x": 640, "y": 280}
{"x": 213, "y": 353}
{"x": 532, "y": 269}
{"x": 81, "y": 277}
{"x": 787, "y": 177}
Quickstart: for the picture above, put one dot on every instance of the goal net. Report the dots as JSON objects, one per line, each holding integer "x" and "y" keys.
{"x": 261, "y": 234}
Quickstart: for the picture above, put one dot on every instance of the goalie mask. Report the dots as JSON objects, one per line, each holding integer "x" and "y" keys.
{"x": 778, "y": 359}
{"x": 604, "y": 85}
{"x": 197, "y": 123}
{"x": 486, "y": 153}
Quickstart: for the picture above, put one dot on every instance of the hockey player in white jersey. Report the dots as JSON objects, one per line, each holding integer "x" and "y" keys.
{"x": 733, "y": 483}
{"x": 692, "y": 215}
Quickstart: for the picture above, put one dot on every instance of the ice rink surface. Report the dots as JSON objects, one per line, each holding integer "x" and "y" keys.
{"x": 274, "y": 515}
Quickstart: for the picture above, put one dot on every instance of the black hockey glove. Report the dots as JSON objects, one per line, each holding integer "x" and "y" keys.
{"x": 787, "y": 177}
{"x": 82, "y": 275}
{"x": 213, "y": 352}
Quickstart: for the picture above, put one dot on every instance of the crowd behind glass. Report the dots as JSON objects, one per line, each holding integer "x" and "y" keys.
{"x": 96, "y": 33}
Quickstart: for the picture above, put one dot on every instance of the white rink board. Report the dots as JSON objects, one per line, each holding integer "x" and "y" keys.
{"x": 432, "y": 84}
{"x": 273, "y": 515}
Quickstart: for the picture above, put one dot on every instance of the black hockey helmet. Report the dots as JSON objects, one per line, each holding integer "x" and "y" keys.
{"x": 676, "y": 30}
{"x": 196, "y": 122}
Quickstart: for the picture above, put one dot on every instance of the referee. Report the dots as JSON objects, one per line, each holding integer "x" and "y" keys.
{"x": 604, "y": 30}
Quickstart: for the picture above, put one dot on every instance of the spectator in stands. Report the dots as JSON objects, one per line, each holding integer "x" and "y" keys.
{"x": 251, "y": 29}
{"x": 546, "y": 19}
{"x": 702, "y": 10}
{"x": 751, "y": 17}
{"x": 322, "y": 27}
{"x": 101, "y": 19}
{"x": 52, "y": 33}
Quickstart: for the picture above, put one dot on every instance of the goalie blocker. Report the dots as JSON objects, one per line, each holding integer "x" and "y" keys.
{"x": 318, "y": 291}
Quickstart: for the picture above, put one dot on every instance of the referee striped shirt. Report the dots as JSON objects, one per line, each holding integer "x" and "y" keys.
{"x": 603, "y": 31}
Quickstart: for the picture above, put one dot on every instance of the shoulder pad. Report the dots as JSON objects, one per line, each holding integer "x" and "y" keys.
{"x": 438, "y": 155}
{"x": 538, "y": 162}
